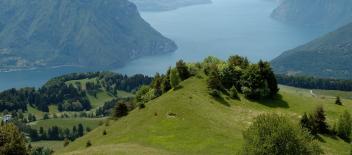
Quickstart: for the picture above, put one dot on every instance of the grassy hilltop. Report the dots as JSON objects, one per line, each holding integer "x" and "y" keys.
{"x": 190, "y": 121}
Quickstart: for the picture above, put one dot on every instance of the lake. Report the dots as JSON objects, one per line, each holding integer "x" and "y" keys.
{"x": 221, "y": 29}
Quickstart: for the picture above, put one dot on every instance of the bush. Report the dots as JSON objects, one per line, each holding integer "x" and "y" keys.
{"x": 120, "y": 110}
{"x": 233, "y": 93}
{"x": 41, "y": 151}
{"x": 214, "y": 93}
{"x": 105, "y": 133}
{"x": 88, "y": 144}
{"x": 141, "y": 105}
{"x": 276, "y": 135}
{"x": 11, "y": 140}
{"x": 174, "y": 78}
{"x": 344, "y": 126}
{"x": 66, "y": 142}
{"x": 182, "y": 70}
{"x": 338, "y": 101}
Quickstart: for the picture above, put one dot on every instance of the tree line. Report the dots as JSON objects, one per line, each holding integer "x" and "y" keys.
{"x": 236, "y": 75}
{"x": 68, "y": 97}
{"x": 315, "y": 83}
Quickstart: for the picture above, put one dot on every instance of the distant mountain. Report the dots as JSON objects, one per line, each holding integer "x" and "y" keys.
{"x": 329, "y": 56}
{"x": 328, "y": 13}
{"x": 165, "y": 5}
{"x": 99, "y": 33}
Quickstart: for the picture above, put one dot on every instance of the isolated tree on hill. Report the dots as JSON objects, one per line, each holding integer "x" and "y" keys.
{"x": 182, "y": 70}
{"x": 120, "y": 110}
{"x": 338, "y": 101}
{"x": 276, "y": 135}
{"x": 12, "y": 142}
{"x": 174, "y": 78}
{"x": 344, "y": 126}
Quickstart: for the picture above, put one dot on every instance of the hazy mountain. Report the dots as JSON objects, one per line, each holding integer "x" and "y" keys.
{"x": 328, "y": 56}
{"x": 330, "y": 13}
{"x": 100, "y": 33}
{"x": 164, "y": 5}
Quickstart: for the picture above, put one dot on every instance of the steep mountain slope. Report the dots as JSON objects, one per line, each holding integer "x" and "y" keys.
{"x": 332, "y": 13}
{"x": 190, "y": 121}
{"x": 164, "y": 5}
{"x": 328, "y": 56}
{"x": 75, "y": 32}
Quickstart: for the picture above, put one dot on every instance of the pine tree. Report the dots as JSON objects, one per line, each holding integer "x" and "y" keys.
{"x": 338, "y": 101}
{"x": 182, "y": 70}
{"x": 305, "y": 122}
{"x": 80, "y": 130}
{"x": 319, "y": 120}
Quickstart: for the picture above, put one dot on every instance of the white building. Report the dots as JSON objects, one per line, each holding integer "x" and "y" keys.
{"x": 6, "y": 118}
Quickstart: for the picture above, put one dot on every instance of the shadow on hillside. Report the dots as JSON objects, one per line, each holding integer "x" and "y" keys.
{"x": 320, "y": 139}
{"x": 178, "y": 87}
{"x": 222, "y": 101}
{"x": 276, "y": 102}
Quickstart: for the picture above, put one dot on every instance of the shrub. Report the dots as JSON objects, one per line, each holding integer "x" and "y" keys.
{"x": 214, "y": 93}
{"x": 338, "y": 101}
{"x": 276, "y": 135}
{"x": 233, "y": 92}
{"x": 104, "y": 132}
{"x": 11, "y": 140}
{"x": 120, "y": 110}
{"x": 344, "y": 126}
{"x": 88, "y": 144}
{"x": 141, "y": 105}
{"x": 174, "y": 78}
{"x": 182, "y": 70}
{"x": 66, "y": 142}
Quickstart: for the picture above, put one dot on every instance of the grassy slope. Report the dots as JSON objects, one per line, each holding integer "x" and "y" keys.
{"x": 102, "y": 96}
{"x": 54, "y": 145}
{"x": 67, "y": 122}
{"x": 202, "y": 124}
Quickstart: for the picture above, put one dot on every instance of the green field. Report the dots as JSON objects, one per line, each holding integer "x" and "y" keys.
{"x": 102, "y": 96}
{"x": 54, "y": 145}
{"x": 334, "y": 93}
{"x": 200, "y": 124}
{"x": 67, "y": 122}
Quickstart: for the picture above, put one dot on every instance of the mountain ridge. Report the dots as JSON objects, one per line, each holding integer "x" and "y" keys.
{"x": 327, "y": 56}
{"x": 324, "y": 13}
{"x": 79, "y": 33}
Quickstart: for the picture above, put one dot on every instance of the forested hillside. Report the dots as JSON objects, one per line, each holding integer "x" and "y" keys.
{"x": 328, "y": 56}
{"x": 165, "y": 5}
{"x": 69, "y": 96}
{"x": 326, "y": 13}
{"x": 104, "y": 33}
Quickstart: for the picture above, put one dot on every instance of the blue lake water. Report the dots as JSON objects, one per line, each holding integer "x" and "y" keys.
{"x": 221, "y": 29}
